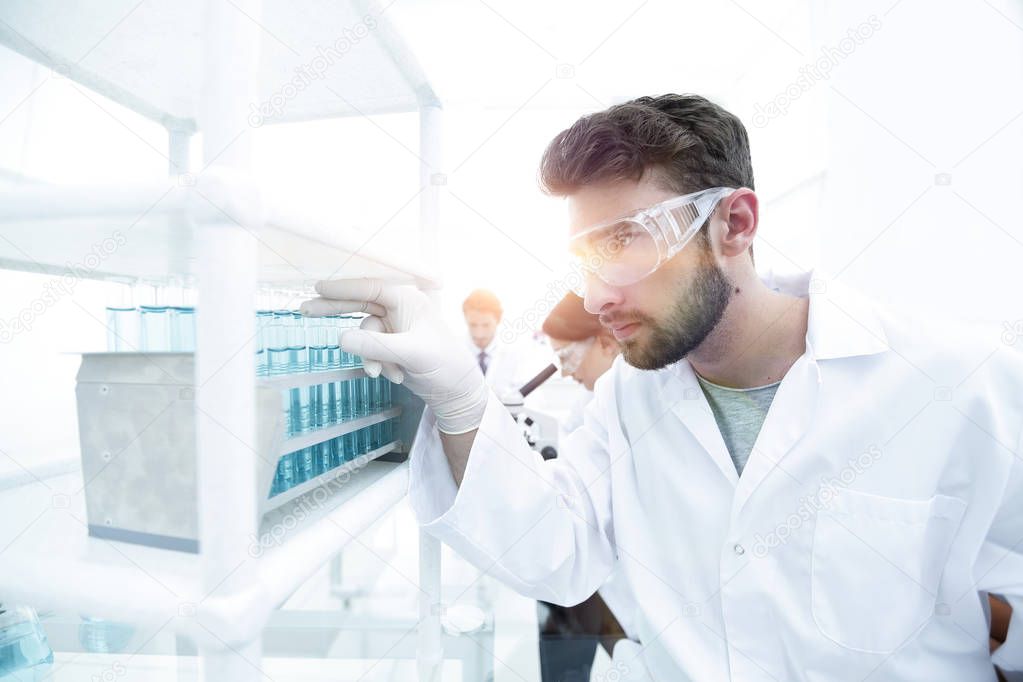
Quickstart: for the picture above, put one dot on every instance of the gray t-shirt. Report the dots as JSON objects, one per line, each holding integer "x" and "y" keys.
{"x": 740, "y": 413}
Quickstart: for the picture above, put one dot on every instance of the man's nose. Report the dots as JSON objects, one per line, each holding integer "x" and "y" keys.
{"x": 599, "y": 294}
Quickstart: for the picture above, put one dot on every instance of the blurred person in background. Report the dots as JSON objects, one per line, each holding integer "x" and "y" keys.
{"x": 482, "y": 311}
{"x": 569, "y": 635}
{"x": 583, "y": 350}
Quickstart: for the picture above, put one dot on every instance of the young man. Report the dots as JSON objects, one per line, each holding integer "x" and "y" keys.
{"x": 851, "y": 530}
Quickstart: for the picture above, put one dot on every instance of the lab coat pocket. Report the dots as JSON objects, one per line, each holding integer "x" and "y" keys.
{"x": 876, "y": 565}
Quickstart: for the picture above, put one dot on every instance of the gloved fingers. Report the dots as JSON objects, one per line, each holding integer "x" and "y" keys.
{"x": 371, "y": 368}
{"x": 369, "y": 290}
{"x": 319, "y": 307}
{"x": 388, "y": 369}
{"x": 392, "y": 372}
{"x": 372, "y": 346}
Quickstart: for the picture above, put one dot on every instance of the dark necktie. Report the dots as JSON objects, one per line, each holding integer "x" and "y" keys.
{"x": 483, "y": 362}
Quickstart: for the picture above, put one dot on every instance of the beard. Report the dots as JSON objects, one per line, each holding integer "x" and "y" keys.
{"x": 697, "y": 309}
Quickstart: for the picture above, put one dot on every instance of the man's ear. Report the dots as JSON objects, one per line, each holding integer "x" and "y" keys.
{"x": 740, "y": 212}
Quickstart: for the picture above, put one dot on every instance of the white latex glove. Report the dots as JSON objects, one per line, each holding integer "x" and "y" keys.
{"x": 404, "y": 339}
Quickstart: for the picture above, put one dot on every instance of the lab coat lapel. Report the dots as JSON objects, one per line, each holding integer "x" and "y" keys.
{"x": 681, "y": 390}
{"x": 841, "y": 324}
{"x": 790, "y": 416}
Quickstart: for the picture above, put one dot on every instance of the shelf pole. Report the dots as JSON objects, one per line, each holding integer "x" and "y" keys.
{"x": 178, "y": 147}
{"x": 430, "y": 650}
{"x": 430, "y": 647}
{"x": 431, "y": 179}
{"x": 225, "y": 327}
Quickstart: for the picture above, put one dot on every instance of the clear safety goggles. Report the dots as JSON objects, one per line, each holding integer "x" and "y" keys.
{"x": 625, "y": 250}
{"x": 569, "y": 357}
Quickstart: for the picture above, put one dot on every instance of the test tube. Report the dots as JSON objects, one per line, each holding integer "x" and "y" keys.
{"x": 297, "y": 344}
{"x": 377, "y": 405}
{"x": 155, "y": 324}
{"x": 355, "y": 322}
{"x": 333, "y": 325}
{"x": 349, "y": 446}
{"x": 345, "y": 322}
{"x": 377, "y": 393}
{"x": 306, "y": 461}
{"x": 277, "y": 354}
{"x": 335, "y": 453}
{"x": 298, "y": 361}
{"x": 284, "y": 479}
{"x": 182, "y": 328}
{"x": 263, "y": 320}
{"x": 122, "y": 320}
{"x": 364, "y": 440}
{"x": 349, "y": 398}
{"x": 320, "y": 408}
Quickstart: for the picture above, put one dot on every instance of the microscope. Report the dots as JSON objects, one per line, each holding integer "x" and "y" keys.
{"x": 539, "y": 428}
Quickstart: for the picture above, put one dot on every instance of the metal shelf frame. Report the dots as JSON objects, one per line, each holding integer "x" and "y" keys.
{"x": 227, "y": 623}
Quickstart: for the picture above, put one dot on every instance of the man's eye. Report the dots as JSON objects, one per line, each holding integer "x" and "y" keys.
{"x": 620, "y": 239}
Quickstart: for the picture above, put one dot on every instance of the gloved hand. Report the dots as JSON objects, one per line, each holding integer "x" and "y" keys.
{"x": 404, "y": 339}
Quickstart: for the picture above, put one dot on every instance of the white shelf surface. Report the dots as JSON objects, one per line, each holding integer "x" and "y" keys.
{"x": 150, "y": 231}
{"x": 49, "y": 561}
{"x": 149, "y": 56}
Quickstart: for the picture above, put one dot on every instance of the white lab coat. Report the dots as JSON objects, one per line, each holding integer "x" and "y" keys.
{"x": 882, "y": 500}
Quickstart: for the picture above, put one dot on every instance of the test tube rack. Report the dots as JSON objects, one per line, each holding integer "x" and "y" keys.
{"x": 138, "y": 420}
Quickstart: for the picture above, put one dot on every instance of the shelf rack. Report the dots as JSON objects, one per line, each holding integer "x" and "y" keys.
{"x": 205, "y": 66}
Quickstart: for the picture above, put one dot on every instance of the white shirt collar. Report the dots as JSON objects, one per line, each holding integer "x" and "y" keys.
{"x": 489, "y": 350}
{"x": 842, "y": 323}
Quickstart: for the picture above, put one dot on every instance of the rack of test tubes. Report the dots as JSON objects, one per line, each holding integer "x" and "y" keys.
{"x": 320, "y": 418}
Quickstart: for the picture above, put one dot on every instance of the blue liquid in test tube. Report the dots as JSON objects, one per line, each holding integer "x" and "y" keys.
{"x": 263, "y": 320}
{"x": 305, "y": 464}
{"x": 123, "y": 329}
{"x": 333, "y": 325}
{"x": 320, "y": 407}
{"x": 334, "y": 453}
{"x": 277, "y": 355}
{"x": 332, "y": 405}
{"x": 182, "y": 328}
{"x": 155, "y": 328}
{"x": 278, "y": 361}
{"x": 364, "y": 439}
{"x": 344, "y": 322}
{"x": 363, "y": 400}
{"x": 298, "y": 349}
{"x": 349, "y": 398}
{"x": 349, "y": 446}
{"x": 285, "y": 477}
{"x": 356, "y": 323}
{"x": 297, "y": 343}
{"x": 25, "y": 652}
